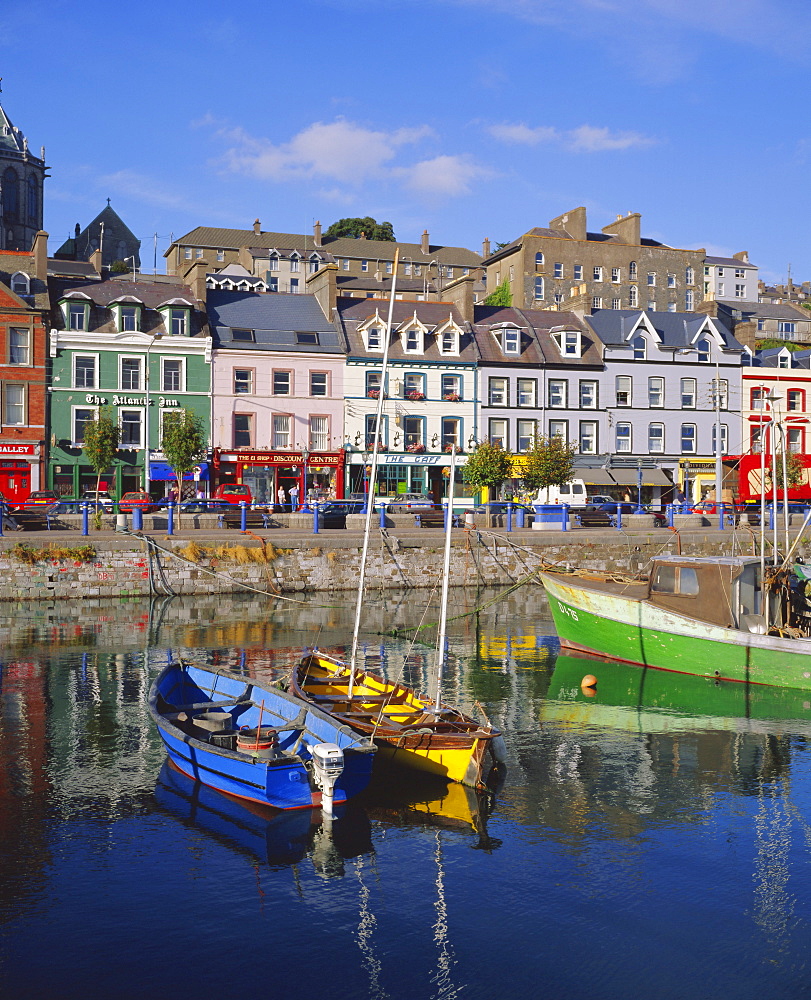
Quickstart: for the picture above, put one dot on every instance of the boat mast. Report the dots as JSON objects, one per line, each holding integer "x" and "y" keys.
{"x": 446, "y": 574}
{"x": 372, "y": 481}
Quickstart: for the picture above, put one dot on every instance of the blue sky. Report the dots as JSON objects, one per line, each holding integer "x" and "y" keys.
{"x": 469, "y": 118}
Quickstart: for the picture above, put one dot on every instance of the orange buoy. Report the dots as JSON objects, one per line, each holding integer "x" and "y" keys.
{"x": 588, "y": 684}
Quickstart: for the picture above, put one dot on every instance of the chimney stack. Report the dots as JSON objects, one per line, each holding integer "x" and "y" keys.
{"x": 317, "y": 234}
{"x": 39, "y": 252}
{"x": 256, "y": 227}
{"x": 485, "y": 247}
{"x": 95, "y": 261}
{"x": 425, "y": 242}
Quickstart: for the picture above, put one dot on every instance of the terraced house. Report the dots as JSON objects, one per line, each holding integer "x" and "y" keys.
{"x": 137, "y": 350}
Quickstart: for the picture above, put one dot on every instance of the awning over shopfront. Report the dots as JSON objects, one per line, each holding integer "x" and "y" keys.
{"x": 594, "y": 477}
{"x": 630, "y": 477}
{"x": 163, "y": 471}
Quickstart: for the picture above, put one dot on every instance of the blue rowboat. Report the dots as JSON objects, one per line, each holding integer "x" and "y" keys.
{"x": 256, "y": 743}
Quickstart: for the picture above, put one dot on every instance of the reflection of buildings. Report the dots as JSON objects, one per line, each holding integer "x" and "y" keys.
{"x": 24, "y": 784}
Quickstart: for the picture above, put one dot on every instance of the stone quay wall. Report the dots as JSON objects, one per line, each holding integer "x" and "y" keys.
{"x": 48, "y": 568}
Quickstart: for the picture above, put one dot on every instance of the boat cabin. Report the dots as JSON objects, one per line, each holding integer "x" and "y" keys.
{"x": 723, "y": 591}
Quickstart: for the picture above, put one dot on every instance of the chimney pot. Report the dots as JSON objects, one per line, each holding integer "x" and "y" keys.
{"x": 256, "y": 227}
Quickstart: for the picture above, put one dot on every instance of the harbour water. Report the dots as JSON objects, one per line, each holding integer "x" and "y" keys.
{"x": 653, "y": 839}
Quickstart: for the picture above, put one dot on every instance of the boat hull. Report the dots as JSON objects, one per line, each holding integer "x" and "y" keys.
{"x": 635, "y": 631}
{"x": 452, "y": 746}
{"x": 284, "y": 782}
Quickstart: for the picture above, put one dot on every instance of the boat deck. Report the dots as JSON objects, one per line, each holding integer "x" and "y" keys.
{"x": 634, "y": 589}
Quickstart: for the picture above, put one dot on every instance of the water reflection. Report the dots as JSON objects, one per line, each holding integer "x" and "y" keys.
{"x": 662, "y": 819}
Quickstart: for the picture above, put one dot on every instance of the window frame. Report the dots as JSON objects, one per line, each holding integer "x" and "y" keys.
{"x": 621, "y": 437}
{"x": 249, "y": 382}
{"x": 95, "y": 359}
{"x": 629, "y": 392}
{"x": 139, "y": 360}
{"x": 586, "y": 388}
{"x": 243, "y": 429}
{"x": 557, "y": 388}
{"x": 76, "y": 440}
{"x": 503, "y": 440}
{"x": 653, "y": 438}
{"x": 321, "y": 373}
{"x": 181, "y": 374}
{"x": 582, "y": 437}
{"x": 526, "y": 388}
{"x": 281, "y": 430}
{"x": 26, "y": 346}
{"x": 656, "y": 391}
{"x": 492, "y": 391}
{"x": 689, "y": 437}
{"x": 523, "y": 440}
{"x": 277, "y": 374}
{"x": 688, "y": 396}
{"x": 313, "y": 435}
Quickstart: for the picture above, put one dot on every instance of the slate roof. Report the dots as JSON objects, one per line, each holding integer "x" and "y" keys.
{"x": 104, "y": 293}
{"x": 728, "y": 262}
{"x": 561, "y": 234}
{"x": 233, "y": 239}
{"x": 675, "y": 330}
{"x": 351, "y": 313}
{"x": 537, "y": 346}
{"x": 12, "y": 140}
{"x": 767, "y": 310}
{"x": 275, "y": 319}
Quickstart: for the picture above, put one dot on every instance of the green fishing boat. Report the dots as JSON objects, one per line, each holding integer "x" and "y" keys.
{"x": 644, "y": 699}
{"x": 705, "y": 616}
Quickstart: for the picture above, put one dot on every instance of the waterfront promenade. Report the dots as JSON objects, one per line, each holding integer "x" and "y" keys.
{"x": 36, "y": 565}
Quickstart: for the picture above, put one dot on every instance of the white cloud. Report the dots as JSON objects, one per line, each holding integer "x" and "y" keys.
{"x": 444, "y": 176}
{"x": 583, "y": 139}
{"x": 340, "y": 151}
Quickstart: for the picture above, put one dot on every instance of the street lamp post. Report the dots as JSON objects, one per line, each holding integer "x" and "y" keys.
{"x": 147, "y": 469}
{"x": 365, "y": 457}
{"x": 639, "y": 481}
{"x": 305, "y": 457}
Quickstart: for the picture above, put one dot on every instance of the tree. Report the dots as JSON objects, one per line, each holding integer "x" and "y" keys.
{"x": 488, "y": 465}
{"x": 101, "y": 440}
{"x": 795, "y": 470}
{"x": 119, "y": 267}
{"x": 548, "y": 462}
{"x": 367, "y": 227}
{"x": 500, "y": 296}
{"x": 184, "y": 443}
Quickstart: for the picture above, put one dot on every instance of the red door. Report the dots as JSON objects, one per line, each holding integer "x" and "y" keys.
{"x": 15, "y": 480}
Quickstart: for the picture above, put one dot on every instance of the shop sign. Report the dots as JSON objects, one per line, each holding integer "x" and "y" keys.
{"x": 281, "y": 458}
{"x": 129, "y": 400}
{"x": 18, "y": 449}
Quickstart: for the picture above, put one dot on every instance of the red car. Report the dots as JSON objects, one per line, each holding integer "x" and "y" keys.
{"x": 137, "y": 500}
{"x": 233, "y": 493}
{"x": 43, "y": 500}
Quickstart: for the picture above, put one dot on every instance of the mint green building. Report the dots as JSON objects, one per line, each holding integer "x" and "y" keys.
{"x": 136, "y": 350}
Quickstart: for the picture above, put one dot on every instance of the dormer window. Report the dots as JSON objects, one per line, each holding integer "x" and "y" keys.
{"x": 640, "y": 347}
{"x": 176, "y": 317}
{"x": 273, "y": 262}
{"x": 313, "y": 263}
{"x": 76, "y": 312}
{"x": 295, "y": 262}
{"x": 448, "y": 338}
{"x": 413, "y": 337}
{"x": 509, "y": 338}
{"x": 568, "y": 343}
{"x": 703, "y": 348}
{"x": 128, "y": 318}
{"x": 20, "y": 283}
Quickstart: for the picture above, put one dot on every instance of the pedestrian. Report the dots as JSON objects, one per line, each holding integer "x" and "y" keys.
{"x": 293, "y": 498}
{"x": 281, "y": 496}
{"x": 173, "y": 495}
{"x": 626, "y": 496}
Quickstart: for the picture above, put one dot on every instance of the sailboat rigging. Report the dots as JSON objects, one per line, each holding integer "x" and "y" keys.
{"x": 414, "y": 730}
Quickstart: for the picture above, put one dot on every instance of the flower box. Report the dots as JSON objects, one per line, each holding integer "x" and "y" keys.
{"x": 448, "y": 449}
{"x": 452, "y": 397}
{"x": 375, "y": 394}
{"x": 415, "y": 395}
{"x": 415, "y": 448}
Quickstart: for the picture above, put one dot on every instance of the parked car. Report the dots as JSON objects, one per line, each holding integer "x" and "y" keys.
{"x": 137, "y": 500}
{"x": 407, "y": 501}
{"x": 598, "y": 498}
{"x": 95, "y": 499}
{"x": 47, "y": 501}
{"x": 332, "y": 514}
{"x": 233, "y": 493}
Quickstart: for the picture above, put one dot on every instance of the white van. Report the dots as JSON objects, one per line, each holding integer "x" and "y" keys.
{"x": 573, "y": 493}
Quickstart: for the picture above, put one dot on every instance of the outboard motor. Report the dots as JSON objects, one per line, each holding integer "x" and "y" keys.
{"x": 328, "y": 766}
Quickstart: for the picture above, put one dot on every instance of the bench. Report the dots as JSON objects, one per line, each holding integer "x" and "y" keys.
{"x": 253, "y": 519}
{"x": 33, "y": 520}
{"x": 434, "y": 519}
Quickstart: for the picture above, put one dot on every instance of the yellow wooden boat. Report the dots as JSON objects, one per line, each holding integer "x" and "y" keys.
{"x": 406, "y": 727}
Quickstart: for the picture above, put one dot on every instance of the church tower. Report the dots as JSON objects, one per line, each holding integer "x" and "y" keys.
{"x": 22, "y": 176}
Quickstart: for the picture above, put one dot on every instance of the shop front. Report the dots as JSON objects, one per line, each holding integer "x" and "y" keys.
{"x": 316, "y": 474}
{"x": 19, "y": 470}
{"x": 407, "y": 473}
